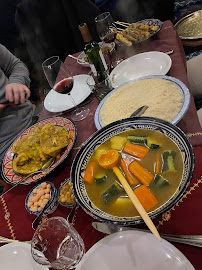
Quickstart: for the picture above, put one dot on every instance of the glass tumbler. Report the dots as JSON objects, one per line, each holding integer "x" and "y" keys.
{"x": 57, "y": 244}
{"x": 99, "y": 88}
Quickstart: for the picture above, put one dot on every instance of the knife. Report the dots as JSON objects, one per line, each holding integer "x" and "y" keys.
{"x": 193, "y": 240}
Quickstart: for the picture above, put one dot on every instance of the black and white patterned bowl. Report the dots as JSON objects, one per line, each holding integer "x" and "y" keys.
{"x": 52, "y": 203}
{"x": 150, "y": 22}
{"x": 115, "y": 128}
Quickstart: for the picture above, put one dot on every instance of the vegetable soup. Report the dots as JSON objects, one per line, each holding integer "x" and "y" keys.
{"x": 151, "y": 163}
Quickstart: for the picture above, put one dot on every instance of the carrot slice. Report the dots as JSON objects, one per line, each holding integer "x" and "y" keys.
{"x": 146, "y": 198}
{"x": 90, "y": 172}
{"x": 141, "y": 173}
{"x": 135, "y": 150}
{"x": 109, "y": 159}
{"x": 157, "y": 166}
{"x": 131, "y": 178}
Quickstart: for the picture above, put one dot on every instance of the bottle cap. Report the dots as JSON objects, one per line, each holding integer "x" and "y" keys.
{"x": 85, "y": 32}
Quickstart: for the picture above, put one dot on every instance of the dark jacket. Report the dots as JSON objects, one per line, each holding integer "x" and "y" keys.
{"x": 50, "y": 27}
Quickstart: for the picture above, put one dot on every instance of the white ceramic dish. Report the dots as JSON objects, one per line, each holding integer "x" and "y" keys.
{"x": 140, "y": 65}
{"x": 181, "y": 86}
{"x": 80, "y": 60}
{"x": 55, "y": 102}
{"x": 133, "y": 250}
{"x": 18, "y": 256}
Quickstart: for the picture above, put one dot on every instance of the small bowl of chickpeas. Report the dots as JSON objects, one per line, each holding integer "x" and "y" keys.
{"x": 65, "y": 196}
{"x": 40, "y": 195}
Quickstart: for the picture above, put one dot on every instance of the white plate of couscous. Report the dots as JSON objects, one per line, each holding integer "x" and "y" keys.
{"x": 167, "y": 98}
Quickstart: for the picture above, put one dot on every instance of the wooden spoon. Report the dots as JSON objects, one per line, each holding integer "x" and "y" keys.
{"x": 128, "y": 189}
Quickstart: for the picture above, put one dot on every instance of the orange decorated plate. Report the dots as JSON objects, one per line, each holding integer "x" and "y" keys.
{"x": 12, "y": 178}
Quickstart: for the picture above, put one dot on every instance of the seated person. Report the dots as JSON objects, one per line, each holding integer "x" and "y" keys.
{"x": 16, "y": 110}
{"x": 194, "y": 71}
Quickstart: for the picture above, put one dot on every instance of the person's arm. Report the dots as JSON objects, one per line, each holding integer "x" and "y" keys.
{"x": 16, "y": 89}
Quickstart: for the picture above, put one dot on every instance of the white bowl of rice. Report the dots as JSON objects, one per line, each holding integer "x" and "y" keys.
{"x": 167, "y": 98}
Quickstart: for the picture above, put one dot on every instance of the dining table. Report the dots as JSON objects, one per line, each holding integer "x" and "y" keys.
{"x": 184, "y": 218}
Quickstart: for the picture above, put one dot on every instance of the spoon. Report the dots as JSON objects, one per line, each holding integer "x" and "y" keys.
{"x": 109, "y": 160}
{"x": 38, "y": 219}
{"x": 44, "y": 167}
{"x": 139, "y": 111}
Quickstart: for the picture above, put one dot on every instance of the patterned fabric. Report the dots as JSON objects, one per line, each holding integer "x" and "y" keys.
{"x": 182, "y": 8}
{"x": 191, "y": 55}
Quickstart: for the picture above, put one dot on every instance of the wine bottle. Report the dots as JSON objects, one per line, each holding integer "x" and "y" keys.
{"x": 94, "y": 54}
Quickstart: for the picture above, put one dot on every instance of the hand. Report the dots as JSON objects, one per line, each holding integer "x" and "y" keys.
{"x": 2, "y": 106}
{"x": 17, "y": 93}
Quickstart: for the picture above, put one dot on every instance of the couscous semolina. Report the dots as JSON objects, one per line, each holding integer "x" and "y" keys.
{"x": 163, "y": 98}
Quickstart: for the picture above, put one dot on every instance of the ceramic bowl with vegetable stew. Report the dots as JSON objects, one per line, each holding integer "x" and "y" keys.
{"x": 154, "y": 156}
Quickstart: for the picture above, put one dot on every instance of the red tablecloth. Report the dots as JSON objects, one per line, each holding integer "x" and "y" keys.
{"x": 184, "y": 218}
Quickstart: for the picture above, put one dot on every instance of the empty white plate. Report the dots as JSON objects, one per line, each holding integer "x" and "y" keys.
{"x": 133, "y": 250}
{"x": 18, "y": 256}
{"x": 140, "y": 65}
{"x": 56, "y": 102}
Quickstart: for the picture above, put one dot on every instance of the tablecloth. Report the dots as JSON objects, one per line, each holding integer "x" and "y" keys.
{"x": 184, "y": 218}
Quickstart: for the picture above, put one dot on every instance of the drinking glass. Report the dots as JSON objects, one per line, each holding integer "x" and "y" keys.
{"x": 57, "y": 244}
{"x": 106, "y": 27}
{"x": 107, "y": 31}
{"x": 61, "y": 80}
{"x": 100, "y": 89}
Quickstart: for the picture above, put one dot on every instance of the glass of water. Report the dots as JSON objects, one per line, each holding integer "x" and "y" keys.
{"x": 57, "y": 244}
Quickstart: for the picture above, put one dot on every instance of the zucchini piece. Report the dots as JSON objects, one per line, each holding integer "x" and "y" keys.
{"x": 137, "y": 139}
{"x": 151, "y": 143}
{"x": 112, "y": 193}
{"x": 168, "y": 161}
{"x": 101, "y": 180}
{"x": 160, "y": 181}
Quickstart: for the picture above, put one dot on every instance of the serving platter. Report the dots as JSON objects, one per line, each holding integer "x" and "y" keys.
{"x": 149, "y": 22}
{"x": 153, "y": 22}
{"x": 181, "y": 86}
{"x": 190, "y": 26}
{"x": 7, "y": 171}
{"x": 132, "y": 250}
{"x": 140, "y": 65}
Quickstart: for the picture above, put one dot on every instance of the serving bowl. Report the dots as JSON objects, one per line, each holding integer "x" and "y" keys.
{"x": 7, "y": 171}
{"x": 52, "y": 202}
{"x": 180, "y": 85}
{"x": 115, "y": 128}
{"x": 68, "y": 205}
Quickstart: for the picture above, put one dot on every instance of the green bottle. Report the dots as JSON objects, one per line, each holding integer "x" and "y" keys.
{"x": 94, "y": 54}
